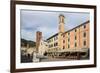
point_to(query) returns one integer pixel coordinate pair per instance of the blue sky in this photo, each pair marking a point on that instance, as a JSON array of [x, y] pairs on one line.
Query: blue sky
[[47, 22]]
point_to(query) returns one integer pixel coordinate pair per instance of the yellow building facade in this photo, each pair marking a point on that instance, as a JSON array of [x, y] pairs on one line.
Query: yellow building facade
[[75, 38]]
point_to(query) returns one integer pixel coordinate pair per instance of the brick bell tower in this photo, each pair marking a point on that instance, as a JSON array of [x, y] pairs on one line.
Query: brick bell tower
[[61, 30], [38, 39]]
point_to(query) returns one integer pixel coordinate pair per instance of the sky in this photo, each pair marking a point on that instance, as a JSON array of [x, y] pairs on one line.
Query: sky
[[47, 22]]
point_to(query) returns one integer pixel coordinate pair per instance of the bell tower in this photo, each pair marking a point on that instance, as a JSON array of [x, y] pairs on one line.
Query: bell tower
[[38, 39], [61, 31], [61, 23]]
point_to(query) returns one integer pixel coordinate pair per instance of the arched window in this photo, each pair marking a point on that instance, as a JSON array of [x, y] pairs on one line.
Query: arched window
[[84, 43], [75, 44], [84, 34]]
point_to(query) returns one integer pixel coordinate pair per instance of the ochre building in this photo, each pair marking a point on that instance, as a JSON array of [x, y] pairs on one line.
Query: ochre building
[[73, 39]]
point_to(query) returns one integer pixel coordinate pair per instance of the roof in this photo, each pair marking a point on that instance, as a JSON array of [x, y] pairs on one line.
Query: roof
[[78, 26], [52, 36]]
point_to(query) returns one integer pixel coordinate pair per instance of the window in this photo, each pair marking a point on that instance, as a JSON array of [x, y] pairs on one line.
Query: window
[[84, 26], [56, 44], [84, 34], [63, 41], [75, 44], [68, 33], [68, 39], [62, 20], [68, 46], [52, 45], [75, 37], [63, 35], [75, 30], [84, 43], [55, 38], [63, 47]]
